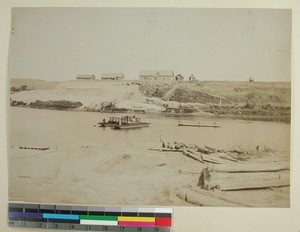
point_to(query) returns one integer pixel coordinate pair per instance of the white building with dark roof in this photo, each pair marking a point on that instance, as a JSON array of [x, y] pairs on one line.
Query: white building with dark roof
[[192, 78], [86, 77], [156, 75], [112, 76]]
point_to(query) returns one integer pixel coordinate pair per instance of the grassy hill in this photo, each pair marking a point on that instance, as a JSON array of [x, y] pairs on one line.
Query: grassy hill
[[259, 100]]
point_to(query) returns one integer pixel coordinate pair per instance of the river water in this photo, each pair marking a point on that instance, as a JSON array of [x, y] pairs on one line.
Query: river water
[[61, 129]]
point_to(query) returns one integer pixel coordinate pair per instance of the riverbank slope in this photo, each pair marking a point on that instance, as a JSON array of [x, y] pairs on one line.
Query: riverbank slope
[[269, 101]]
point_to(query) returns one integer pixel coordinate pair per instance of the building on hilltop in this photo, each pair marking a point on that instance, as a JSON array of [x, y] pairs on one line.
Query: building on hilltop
[[179, 77], [251, 79], [156, 75], [112, 76], [86, 77], [192, 78]]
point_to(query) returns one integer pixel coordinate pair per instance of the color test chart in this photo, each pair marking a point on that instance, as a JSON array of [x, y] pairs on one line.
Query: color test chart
[[89, 218]]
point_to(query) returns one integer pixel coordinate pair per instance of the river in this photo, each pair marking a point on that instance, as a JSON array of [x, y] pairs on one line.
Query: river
[[61, 129]]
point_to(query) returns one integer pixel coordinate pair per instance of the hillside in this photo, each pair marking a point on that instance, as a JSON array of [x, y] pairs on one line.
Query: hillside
[[33, 84], [276, 93], [259, 100], [86, 95]]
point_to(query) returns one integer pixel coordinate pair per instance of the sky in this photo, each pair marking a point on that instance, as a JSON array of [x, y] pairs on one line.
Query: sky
[[57, 44]]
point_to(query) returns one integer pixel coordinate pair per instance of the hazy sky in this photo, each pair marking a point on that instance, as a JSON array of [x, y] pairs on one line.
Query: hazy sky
[[213, 44]]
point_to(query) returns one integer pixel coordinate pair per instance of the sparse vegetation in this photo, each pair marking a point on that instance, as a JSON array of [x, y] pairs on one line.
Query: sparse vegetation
[[57, 105], [259, 100], [20, 89]]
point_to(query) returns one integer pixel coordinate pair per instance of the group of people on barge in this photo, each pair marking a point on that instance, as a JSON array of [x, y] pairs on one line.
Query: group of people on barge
[[122, 120]]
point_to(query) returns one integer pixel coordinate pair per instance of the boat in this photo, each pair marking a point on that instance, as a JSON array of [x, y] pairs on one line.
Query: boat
[[133, 125], [106, 124], [198, 125], [123, 122]]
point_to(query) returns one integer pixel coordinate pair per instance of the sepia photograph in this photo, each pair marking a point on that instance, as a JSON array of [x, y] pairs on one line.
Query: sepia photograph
[[150, 106]]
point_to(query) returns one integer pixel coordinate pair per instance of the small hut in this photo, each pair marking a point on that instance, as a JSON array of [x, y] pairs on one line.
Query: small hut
[[192, 78], [179, 77], [251, 79]]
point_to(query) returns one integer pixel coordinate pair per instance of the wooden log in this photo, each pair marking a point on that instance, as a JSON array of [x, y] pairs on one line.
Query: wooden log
[[219, 195], [227, 157], [255, 184], [243, 158], [203, 200], [209, 159], [211, 149], [191, 146], [238, 157], [203, 150], [224, 156], [165, 149], [237, 151], [234, 156], [194, 157], [188, 146], [252, 168], [194, 152]]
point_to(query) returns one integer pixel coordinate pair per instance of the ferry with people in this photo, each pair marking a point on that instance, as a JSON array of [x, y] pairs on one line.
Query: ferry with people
[[131, 125]]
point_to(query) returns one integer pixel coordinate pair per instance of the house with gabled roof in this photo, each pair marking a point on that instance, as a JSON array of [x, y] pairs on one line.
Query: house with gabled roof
[[156, 75], [179, 77], [86, 77], [112, 76]]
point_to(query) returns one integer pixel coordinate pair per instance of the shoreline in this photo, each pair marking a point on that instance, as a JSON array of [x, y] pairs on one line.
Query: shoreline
[[102, 163], [263, 118]]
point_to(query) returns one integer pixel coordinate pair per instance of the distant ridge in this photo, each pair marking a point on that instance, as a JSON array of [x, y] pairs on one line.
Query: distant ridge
[[36, 84]]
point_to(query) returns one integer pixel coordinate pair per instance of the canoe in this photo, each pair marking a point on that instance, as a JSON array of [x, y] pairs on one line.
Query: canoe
[[131, 126], [197, 125]]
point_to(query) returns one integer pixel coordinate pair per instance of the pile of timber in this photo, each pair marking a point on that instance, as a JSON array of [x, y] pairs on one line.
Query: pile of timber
[[224, 172], [204, 154], [249, 177], [199, 195], [204, 199]]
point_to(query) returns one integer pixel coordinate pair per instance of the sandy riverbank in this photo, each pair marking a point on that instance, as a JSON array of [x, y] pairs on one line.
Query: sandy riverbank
[[101, 174]]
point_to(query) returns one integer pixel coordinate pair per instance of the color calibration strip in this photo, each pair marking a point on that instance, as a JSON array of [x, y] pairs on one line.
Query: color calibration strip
[[89, 218]]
